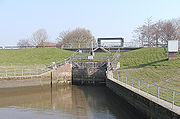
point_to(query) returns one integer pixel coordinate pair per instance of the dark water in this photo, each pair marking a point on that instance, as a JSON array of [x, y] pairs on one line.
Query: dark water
[[64, 102]]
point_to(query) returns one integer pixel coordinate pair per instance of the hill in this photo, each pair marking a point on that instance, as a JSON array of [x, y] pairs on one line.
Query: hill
[[32, 56]]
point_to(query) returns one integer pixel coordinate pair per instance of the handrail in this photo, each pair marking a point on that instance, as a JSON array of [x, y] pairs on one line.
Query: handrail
[[164, 93]]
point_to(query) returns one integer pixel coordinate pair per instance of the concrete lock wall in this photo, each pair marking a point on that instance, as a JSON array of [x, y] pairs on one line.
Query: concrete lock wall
[[88, 72], [63, 74], [149, 108]]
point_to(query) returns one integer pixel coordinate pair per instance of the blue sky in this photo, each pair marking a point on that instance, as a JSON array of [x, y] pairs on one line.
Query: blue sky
[[104, 18]]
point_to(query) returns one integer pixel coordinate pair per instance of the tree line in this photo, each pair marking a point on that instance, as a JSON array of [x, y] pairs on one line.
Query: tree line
[[154, 34], [78, 35], [150, 34]]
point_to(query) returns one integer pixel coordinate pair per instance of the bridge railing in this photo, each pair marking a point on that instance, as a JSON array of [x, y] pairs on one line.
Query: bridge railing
[[167, 94], [95, 58], [78, 45], [104, 44]]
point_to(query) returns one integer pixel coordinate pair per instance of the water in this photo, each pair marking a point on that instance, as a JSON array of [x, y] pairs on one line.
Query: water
[[64, 102]]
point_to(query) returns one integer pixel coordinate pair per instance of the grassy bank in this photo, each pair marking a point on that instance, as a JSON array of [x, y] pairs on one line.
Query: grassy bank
[[152, 65], [39, 56]]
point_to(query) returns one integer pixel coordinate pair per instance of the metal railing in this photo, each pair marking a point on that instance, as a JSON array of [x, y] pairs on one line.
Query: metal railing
[[160, 92], [95, 58], [21, 72], [78, 45], [69, 59]]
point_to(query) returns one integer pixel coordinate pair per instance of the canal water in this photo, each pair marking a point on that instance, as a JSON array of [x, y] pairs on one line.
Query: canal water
[[64, 102]]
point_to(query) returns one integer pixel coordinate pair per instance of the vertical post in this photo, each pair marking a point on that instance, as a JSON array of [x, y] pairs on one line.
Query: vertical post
[[14, 72], [173, 99], [92, 45], [139, 85], [132, 82], [118, 76], [147, 89], [126, 79], [22, 72], [6, 73], [51, 80], [158, 91], [121, 77]]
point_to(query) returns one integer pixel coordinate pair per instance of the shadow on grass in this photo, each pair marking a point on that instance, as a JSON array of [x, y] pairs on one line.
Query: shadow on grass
[[144, 65]]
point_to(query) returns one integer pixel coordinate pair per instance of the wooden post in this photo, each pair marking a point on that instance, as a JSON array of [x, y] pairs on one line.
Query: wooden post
[[51, 80]]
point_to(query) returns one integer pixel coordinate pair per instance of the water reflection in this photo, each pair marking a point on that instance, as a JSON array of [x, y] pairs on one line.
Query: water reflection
[[66, 102]]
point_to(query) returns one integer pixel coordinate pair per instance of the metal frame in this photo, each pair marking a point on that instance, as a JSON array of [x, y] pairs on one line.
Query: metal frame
[[119, 39]]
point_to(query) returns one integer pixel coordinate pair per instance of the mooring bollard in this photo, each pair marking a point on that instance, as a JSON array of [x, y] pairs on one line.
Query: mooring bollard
[[51, 80]]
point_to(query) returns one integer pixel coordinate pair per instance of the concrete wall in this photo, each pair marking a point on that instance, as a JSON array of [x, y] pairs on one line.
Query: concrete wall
[[88, 72], [144, 104], [63, 74]]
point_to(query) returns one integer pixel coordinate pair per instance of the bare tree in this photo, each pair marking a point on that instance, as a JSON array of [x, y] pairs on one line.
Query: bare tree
[[39, 37], [77, 36], [61, 37], [153, 34], [24, 43]]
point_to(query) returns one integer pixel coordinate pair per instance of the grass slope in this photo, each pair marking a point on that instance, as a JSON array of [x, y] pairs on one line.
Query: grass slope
[[32, 56], [152, 65]]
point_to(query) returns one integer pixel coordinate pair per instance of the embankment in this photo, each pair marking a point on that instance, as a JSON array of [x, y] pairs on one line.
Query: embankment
[[151, 106]]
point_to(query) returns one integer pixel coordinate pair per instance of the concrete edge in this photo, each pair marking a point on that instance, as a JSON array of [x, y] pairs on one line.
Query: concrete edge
[[163, 103]]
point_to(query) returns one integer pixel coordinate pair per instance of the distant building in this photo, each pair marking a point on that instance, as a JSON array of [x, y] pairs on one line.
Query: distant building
[[49, 45]]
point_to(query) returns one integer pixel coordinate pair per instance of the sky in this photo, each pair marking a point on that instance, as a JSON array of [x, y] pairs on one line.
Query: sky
[[104, 18]]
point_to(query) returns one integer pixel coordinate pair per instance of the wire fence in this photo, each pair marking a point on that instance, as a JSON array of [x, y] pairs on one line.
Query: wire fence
[[160, 92]]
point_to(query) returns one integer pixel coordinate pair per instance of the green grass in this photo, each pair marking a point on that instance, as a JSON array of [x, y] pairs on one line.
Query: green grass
[[32, 56], [152, 65]]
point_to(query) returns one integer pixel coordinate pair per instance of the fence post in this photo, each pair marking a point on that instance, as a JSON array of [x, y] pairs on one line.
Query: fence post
[[51, 80], [126, 79], [121, 77], [14, 72], [158, 91], [173, 99], [147, 89], [22, 72], [132, 82], [118, 76], [139, 84], [6, 73]]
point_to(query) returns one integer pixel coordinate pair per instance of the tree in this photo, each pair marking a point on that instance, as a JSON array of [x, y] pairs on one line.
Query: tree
[[61, 37], [76, 37], [24, 43], [144, 33], [39, 37], [154, 34]]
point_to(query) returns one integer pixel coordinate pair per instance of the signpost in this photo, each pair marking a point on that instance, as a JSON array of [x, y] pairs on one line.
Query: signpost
[[172, 49]]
